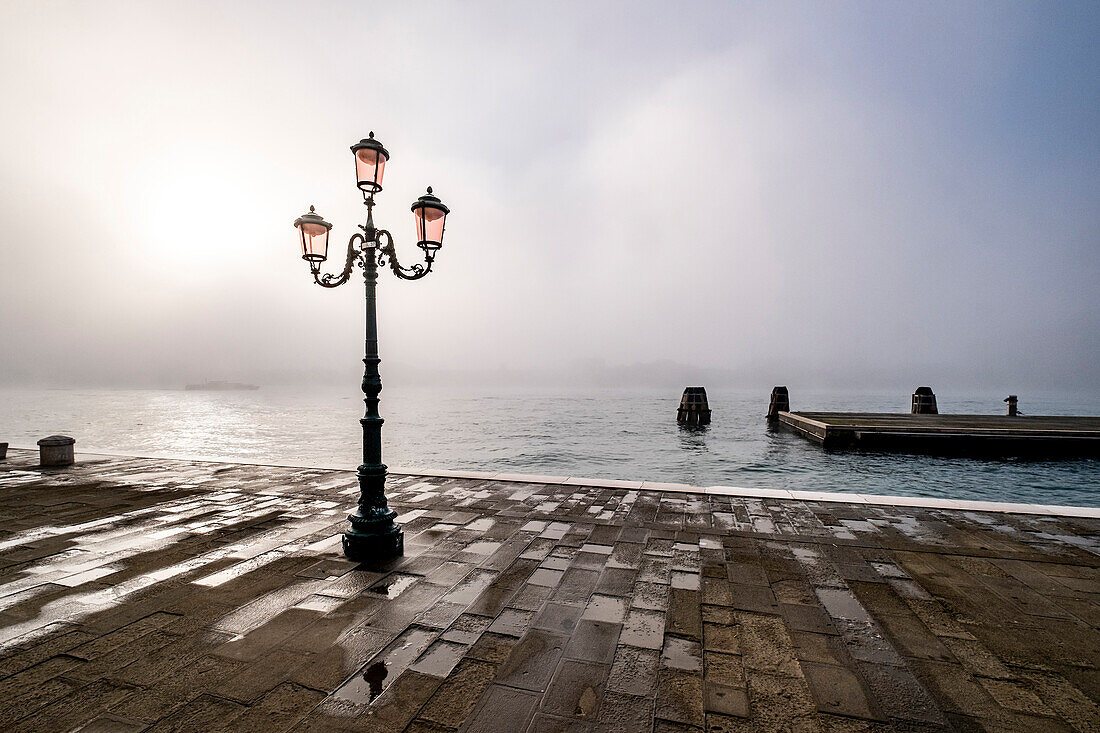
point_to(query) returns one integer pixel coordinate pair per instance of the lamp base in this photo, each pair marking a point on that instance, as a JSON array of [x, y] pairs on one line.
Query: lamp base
[[374, 547]]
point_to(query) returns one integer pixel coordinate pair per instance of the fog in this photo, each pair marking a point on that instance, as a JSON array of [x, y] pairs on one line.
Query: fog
[[836, 194]]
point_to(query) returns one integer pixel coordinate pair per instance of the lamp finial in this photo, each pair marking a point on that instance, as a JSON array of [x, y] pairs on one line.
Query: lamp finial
[[429, 189]]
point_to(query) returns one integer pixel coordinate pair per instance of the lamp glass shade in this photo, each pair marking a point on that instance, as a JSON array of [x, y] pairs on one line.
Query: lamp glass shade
[[430, 215], [429, 225], [314, 238], [370, 165]]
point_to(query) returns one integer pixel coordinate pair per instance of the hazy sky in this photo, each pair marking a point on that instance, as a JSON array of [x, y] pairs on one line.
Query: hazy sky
[[828, 193]]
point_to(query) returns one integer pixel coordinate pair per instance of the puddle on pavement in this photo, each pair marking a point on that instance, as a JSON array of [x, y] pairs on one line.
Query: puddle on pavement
[[482, 548], [393, 585], [440, 659], [842, 604], [374, 676], [681, 654], [364, 688], [469, 589]]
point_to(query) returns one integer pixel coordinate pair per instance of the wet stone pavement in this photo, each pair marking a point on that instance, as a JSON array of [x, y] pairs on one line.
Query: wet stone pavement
[[164, 595]]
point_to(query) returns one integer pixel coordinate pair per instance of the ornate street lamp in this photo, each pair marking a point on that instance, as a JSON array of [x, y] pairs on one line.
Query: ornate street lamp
[[374, 535]]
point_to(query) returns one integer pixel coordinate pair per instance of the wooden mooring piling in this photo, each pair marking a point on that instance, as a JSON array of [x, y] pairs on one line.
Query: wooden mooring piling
[[693, 409]]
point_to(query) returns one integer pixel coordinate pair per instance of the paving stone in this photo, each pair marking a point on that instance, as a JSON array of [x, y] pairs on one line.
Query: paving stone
[[440, 615], [794, 592], [576, 586], [721, 638], [1013, 695], [327, 669], [757, 598], [1066, 700], [900, 695], [684, 617], [467, 628], [723, 669], [838, 691], [779, 702], [396, 706], [111, 723], [866, 643], [683, 654], [455, 698], [558, 617], [812, 619], [643, 629], [820, 649], [512, 622], [721, 615], [622, 713], [426, 726], [73, 710], [605, 608], [955, 690], [680, 697], [263, 675], [532, 662], [651, 596], [669, 726], [439, 659], [594, 641], [617, 582], [725, 700], [634, 671], [912, 639], [166, 693], [25, 700], [842, 604], [546, 723], [655, 570], [205, 712], [577, 690], [716, 592], [546, 577], [279, 709], [493, 648], [180, 652], [63, 640], [766, 647], [502, 710], [977, 659], [746, 574]]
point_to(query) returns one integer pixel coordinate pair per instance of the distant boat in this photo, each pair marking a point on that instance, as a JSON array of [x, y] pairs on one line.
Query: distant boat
[[219, 385]]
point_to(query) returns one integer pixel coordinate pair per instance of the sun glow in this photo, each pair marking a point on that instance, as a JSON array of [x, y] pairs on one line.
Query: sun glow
[[200, 209]]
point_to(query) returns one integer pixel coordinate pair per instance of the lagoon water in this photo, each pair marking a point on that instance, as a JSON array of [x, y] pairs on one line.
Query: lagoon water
[[623, 434]]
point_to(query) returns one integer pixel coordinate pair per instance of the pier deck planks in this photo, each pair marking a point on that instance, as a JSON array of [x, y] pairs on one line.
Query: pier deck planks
[[963, 433], [142, 594]]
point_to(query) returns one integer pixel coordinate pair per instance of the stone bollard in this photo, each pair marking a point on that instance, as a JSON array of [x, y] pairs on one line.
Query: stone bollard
[[3, 451], [56, 450], [924, 402], [780, 402], [1013, 407], [694, 409]]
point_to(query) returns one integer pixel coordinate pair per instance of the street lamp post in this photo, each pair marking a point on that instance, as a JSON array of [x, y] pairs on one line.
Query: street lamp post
[[373, 535]]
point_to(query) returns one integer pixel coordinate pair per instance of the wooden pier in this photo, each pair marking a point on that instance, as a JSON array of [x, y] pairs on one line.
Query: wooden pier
[[967, 434]]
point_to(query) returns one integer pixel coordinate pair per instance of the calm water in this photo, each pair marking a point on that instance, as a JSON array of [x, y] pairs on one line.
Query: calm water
[[607, 434]]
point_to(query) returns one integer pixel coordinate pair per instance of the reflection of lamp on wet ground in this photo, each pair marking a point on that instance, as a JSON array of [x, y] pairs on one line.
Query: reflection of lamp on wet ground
[[373, 534]]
